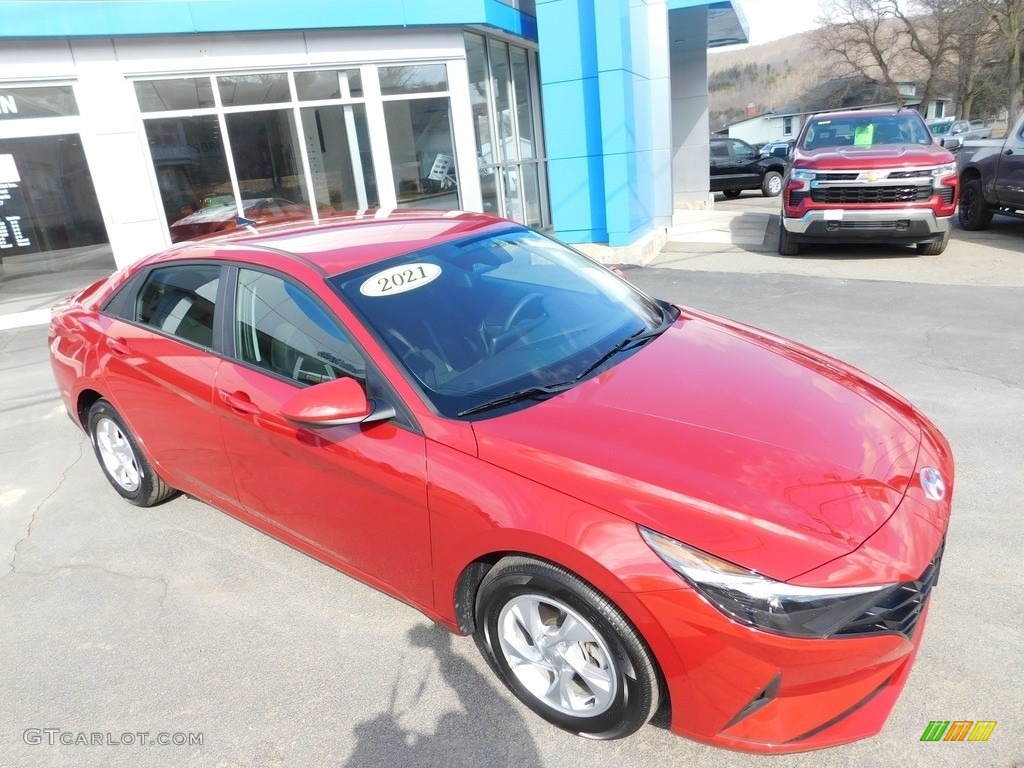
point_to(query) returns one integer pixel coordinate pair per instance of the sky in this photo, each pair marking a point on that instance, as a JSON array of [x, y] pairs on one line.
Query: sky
[[772, 19]]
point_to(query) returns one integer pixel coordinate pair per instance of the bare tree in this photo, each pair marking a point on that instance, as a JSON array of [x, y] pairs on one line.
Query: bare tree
[[1008, 18]]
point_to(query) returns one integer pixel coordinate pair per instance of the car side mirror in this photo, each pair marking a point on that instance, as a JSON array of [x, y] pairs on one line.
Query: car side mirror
[[952, 143], [333, 403]]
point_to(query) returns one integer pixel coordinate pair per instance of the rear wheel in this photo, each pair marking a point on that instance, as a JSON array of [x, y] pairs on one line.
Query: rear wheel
[[771, 186], [935, 247], [788, 245], [974, 212], [122, 462], [732, 193], [564, 650]]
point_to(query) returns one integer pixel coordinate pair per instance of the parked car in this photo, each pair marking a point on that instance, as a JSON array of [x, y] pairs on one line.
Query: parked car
[[990, 178], [780, 148], [943, 128], [868, 176], [736, 166], [222, 215], [627, 503]]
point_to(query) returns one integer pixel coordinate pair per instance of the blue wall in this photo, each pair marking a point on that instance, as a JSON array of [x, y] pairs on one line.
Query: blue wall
[[600, 99], [92, 18]]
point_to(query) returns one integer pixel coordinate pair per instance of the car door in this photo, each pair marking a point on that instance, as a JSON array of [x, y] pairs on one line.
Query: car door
[[1010, 171], [160, 372], [746, 163], [355, 491], [721, 167]]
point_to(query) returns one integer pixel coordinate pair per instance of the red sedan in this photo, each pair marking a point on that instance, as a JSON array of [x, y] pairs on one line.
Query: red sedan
[[629, 504]]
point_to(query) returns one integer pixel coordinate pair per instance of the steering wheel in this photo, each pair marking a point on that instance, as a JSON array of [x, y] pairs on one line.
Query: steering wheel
[[517, 310]]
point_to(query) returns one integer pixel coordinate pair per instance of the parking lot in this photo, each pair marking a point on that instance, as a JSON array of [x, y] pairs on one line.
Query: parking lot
[[180, 622]]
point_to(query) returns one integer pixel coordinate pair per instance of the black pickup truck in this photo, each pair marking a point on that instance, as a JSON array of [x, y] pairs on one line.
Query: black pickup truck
[[991, 173]]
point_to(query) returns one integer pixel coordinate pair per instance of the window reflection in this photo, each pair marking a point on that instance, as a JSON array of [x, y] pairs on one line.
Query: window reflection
[[338, 145], [422, 154], [190, 163]]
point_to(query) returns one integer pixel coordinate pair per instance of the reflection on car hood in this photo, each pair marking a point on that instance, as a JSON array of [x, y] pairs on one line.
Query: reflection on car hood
[[883, 156], [738, 443]]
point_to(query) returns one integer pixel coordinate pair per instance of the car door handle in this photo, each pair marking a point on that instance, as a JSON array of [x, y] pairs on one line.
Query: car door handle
[[119, 347], [1008, 152], [239, 401]]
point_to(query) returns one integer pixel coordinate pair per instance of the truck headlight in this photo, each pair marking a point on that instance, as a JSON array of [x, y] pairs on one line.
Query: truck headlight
[[944, 170], [750, 598], [802, 174]]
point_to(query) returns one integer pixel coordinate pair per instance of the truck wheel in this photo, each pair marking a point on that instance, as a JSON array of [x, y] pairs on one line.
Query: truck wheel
[[788, 245], [771, 186], [731, 193], [934, 248], [974, 211]]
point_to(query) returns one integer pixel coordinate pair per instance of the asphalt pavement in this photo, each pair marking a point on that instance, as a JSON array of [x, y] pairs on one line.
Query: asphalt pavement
[[129, 626]]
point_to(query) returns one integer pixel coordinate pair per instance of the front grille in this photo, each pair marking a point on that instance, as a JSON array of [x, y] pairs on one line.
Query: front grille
[[887, 194], [836, 176], [899, 608], [872, 224], [916, 174]]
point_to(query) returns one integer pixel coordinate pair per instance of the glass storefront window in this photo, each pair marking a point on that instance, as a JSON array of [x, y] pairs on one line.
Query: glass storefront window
[[328, 84], [338, 146], [52, 236], [524, 102], [171, 95], [190, 163], [422, 154], [479, 81], [250, 90], [502, 85], [44, 101], [418, 78], [265, 149]]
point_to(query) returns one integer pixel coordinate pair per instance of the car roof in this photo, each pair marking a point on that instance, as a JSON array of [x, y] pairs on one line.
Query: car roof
[[346, 241]]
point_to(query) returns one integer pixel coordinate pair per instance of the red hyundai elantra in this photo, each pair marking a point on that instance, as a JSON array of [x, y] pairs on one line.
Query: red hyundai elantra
[[629, 504]]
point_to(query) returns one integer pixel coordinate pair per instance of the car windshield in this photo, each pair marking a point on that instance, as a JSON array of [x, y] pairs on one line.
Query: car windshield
[[476, 320], [865, 131], [938, 129]]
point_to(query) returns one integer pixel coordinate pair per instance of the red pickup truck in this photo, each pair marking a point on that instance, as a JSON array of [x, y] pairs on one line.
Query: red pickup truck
[[868, 175]]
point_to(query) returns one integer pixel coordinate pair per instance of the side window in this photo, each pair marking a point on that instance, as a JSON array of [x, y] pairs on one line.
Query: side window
[[179, 300], [742, 151], [719, 151], [279, 327]]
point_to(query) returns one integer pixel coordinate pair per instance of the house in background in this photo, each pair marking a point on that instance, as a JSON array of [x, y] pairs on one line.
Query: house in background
[[837, 94]]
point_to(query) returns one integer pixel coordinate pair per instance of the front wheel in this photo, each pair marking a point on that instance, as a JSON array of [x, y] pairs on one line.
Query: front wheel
[[122, 461], [934, 248], [974, 212], [771, 186], [564, 650], [732, 193], [788, 245]]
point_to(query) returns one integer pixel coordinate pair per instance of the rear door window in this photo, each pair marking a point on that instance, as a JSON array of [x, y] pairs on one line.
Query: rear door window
[[180, 301]]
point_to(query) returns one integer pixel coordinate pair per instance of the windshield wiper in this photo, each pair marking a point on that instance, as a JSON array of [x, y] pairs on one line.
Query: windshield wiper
[[549, 390], [530, 393]]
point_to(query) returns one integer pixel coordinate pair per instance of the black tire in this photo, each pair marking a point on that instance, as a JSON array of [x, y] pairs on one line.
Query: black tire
[[935, 247], [973, 212], [788, 244], [121, 459], [771, 184], [603, 646], [732, 193]]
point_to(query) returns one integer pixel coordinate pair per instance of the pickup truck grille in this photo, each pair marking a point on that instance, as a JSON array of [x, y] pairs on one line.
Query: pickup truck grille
[[866, 194]]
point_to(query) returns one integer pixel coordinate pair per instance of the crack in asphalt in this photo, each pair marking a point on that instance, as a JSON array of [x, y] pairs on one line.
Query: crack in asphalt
[[161, 580], [12, 567], [935, 360]]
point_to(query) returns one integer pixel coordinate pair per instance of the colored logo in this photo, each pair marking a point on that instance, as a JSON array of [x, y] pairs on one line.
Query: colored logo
[[932, 484], [958, 730]]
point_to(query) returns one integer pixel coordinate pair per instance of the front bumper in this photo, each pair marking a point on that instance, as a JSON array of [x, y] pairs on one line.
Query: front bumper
[[912, 225]]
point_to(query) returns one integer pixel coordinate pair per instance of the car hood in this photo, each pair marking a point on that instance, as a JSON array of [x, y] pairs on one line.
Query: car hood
[[739, 443], [884, 156]]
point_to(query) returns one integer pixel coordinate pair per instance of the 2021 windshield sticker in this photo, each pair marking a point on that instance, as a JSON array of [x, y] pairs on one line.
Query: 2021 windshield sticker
[[406, 277]]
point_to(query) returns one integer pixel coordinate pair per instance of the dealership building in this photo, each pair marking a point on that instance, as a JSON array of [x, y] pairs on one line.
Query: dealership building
[[119, 120]]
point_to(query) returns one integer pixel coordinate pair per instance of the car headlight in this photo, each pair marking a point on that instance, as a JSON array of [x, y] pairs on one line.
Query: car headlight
[[761, 602], [944, 170], [802, 174]]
